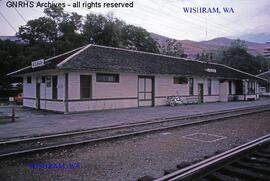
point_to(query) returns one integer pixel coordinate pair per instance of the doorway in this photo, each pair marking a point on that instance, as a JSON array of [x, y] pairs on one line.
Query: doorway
[[200, 93], [145, 91]]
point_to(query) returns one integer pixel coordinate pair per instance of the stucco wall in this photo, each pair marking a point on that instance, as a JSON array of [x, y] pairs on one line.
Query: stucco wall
[[52, 105], [164, 86], [29, 103], [101, 105], [105, 95], [108, 95], [46, 102], [29, 89], [126, 88]]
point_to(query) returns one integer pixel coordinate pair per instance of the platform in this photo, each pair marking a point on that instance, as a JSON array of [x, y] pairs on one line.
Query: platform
[[34, 123]]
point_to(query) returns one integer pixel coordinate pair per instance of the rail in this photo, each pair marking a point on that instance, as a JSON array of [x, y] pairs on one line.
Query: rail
[[204, 169]]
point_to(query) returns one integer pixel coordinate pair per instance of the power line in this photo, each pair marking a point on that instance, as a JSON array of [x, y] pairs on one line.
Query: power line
[[20, 15], [194, 23], [215, 26], [8, 22]]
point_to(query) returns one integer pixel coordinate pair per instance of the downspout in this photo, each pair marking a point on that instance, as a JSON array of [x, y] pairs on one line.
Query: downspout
[[244, 87], [66, 94]]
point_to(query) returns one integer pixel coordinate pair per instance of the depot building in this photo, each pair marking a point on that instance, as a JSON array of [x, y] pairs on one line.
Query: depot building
[[265, 86], [97, 77]]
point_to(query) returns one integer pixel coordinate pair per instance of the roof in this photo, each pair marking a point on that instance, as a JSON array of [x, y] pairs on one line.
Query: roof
[[109, 59], [265, 75], [50, 63]]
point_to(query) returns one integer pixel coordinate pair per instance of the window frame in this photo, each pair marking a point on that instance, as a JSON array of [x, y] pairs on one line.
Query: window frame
[[177, 80], [230, 87], [89, 88], [98, 78], [29, 79], [43, 79], [209, 87], [191, 86], [54, 87]]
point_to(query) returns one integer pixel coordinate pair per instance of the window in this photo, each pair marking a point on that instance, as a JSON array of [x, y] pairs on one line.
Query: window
[[221, 81], [180, 80], [85, 86], [230, 87], [54, 87], [107, 77], [29, 80], [209, 83], [43, 79], [48, 81], [191, 82]]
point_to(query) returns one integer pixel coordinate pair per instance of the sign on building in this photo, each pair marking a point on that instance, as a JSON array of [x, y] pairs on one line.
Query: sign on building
[[211, 70], [38, 63]]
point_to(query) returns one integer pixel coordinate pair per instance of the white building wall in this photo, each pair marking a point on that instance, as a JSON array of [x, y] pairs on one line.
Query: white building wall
[[214, 97], [46, 102], [126, 88], [78, 106], [124, 94], [74, 85], [29, 92], [215, 86], [164, 86], [105, 95], [29, 103], [52, 105]]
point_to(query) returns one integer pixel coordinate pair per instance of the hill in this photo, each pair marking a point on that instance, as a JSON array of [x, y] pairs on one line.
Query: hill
[[191, 48]]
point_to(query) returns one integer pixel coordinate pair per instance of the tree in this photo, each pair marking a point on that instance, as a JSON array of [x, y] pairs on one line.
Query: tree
[[38, 31], [59, 31], [138, 38], [111, 31], [173, 47], [11, 58], [237, 56]]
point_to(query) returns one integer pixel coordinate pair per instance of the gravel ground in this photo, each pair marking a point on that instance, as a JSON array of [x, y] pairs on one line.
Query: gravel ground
[[131, 158]]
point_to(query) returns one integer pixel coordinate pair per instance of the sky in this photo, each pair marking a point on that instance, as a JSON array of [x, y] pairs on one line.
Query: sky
[[250, 20]]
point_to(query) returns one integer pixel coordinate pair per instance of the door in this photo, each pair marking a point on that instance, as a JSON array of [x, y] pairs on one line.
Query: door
[[200, 93], [38, 95], [54, 86], [145, 91], [223, 91]]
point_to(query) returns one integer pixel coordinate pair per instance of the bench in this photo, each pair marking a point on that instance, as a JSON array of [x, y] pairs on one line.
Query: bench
[[191, 100]]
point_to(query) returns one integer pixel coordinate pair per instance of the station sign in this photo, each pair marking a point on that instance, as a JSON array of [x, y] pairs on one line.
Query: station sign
[[38, 63], [211, 70]]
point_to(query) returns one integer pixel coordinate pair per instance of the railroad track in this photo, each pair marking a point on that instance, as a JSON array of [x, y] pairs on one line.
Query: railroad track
[[49, 142], [250, 161]]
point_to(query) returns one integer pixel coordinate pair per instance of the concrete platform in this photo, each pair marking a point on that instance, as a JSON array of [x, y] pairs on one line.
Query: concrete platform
[[34, 123]]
